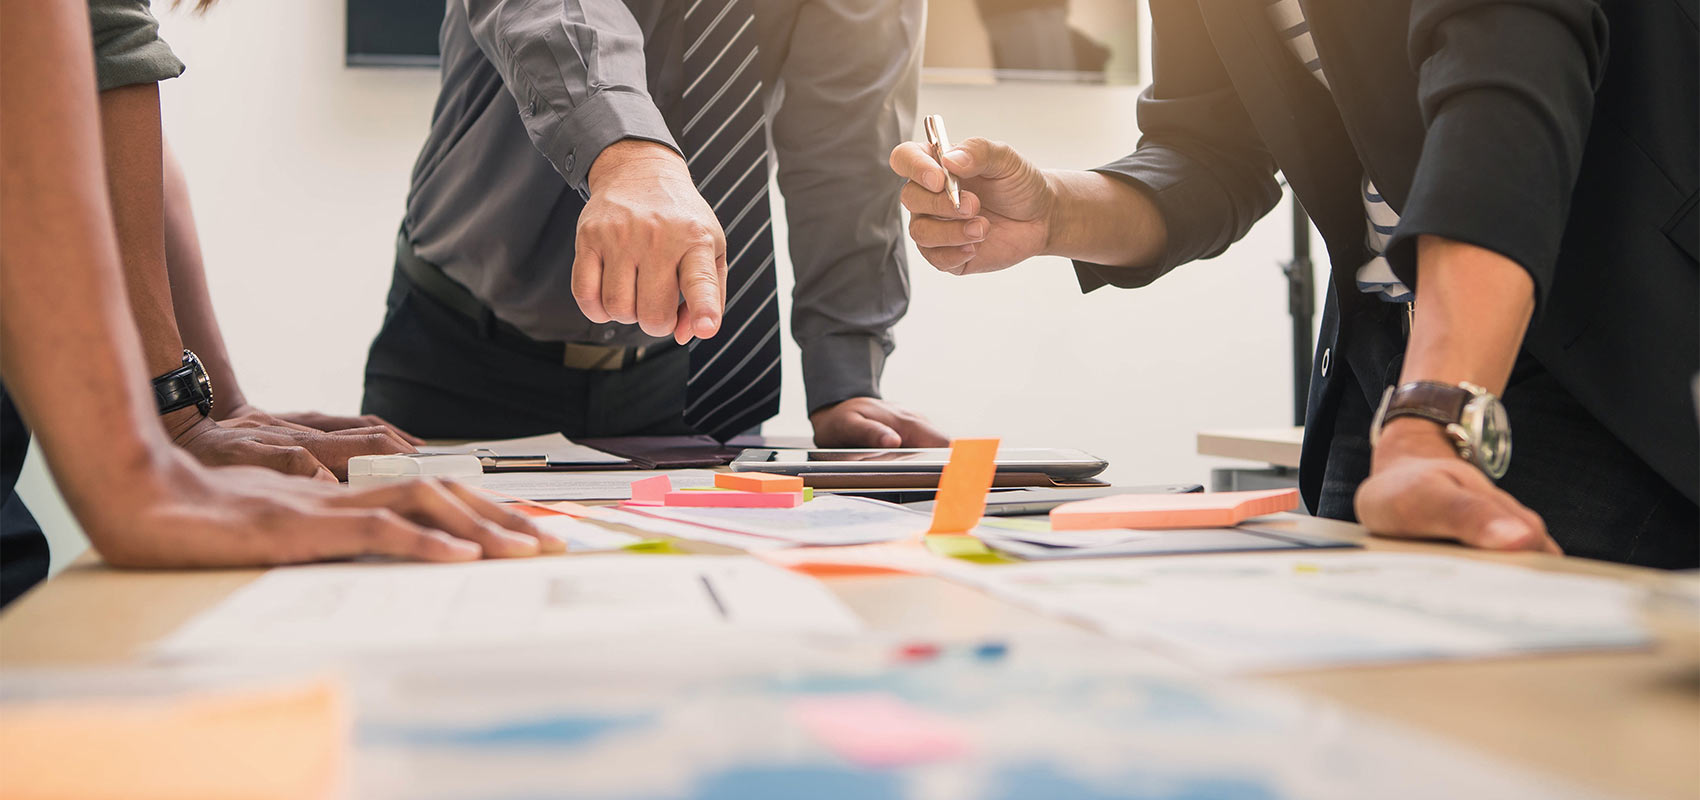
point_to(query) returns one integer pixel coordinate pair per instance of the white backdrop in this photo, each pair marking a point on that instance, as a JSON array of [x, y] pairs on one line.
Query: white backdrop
[[298, 168]]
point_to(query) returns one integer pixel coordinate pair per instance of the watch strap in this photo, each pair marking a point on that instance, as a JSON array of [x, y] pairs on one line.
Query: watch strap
[[1440, 402], [183, 387]]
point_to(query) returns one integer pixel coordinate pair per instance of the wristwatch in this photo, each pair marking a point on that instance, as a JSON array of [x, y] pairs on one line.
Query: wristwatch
[[185, 386], [1473, 418]]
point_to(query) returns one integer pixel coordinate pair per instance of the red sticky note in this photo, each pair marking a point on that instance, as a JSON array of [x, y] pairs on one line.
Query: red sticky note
[[967, 478], [879, 729], [758, 482], [651, 491], [1207, 510], [733, 499]]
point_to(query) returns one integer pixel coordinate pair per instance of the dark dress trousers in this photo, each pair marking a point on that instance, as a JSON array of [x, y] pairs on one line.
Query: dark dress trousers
[[1559, 133]]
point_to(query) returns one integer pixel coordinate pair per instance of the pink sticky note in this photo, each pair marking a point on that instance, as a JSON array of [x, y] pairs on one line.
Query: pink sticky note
[[1199, 510], [731, 499], [878, 729], [651, 491]]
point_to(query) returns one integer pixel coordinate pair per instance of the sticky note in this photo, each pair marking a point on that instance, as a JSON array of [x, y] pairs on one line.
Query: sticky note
[[1206, 510], [758, 482], [276, 743], [967, 478], [733, 499], [651, 491], [963, 546], [879, 729]]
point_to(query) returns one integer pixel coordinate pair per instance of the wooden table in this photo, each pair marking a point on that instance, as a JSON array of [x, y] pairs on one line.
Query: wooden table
[[1627, 724]]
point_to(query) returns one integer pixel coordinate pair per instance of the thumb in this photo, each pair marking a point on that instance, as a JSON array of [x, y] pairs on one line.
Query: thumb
[[978, 157], [699, 284]]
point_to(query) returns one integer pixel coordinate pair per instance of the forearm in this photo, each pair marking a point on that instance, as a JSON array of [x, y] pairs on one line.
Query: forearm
[[196, 322], [69, 348], [1473, 306], [130, 138], [1102, 220]]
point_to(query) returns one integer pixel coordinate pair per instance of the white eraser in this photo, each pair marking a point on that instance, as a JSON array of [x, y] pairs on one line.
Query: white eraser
[[368, 470]]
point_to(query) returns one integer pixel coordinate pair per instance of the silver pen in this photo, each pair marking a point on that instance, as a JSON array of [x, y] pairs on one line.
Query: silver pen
[[940, 142]]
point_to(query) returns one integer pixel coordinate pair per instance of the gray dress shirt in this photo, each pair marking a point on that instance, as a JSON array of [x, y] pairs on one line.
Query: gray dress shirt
[[533, 90]]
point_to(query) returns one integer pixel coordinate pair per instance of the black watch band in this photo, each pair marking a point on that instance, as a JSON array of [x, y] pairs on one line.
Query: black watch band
[[183, 387]]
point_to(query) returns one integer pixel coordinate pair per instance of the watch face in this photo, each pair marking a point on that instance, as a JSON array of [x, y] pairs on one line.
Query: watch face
[[203, 382], [1486, 419]]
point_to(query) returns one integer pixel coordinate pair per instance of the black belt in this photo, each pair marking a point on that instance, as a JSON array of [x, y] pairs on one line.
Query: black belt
[[432, 282]]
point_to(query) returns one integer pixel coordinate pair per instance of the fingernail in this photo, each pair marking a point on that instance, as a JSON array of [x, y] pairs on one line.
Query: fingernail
[[957, 158], [705, 326], [977, 229], [1503, 532], [934, 182]]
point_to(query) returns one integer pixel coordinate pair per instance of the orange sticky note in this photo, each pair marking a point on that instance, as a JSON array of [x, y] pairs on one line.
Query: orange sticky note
[[273, 744], [651, 491], [1206, 510], [758, 482], [967, 478]]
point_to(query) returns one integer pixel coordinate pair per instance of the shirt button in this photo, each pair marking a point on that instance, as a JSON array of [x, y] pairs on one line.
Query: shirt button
[[1327, 358], [569, 164], [607, 334]]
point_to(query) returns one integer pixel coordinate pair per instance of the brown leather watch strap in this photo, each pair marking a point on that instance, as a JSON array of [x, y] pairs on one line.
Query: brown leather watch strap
[[1441, 402]]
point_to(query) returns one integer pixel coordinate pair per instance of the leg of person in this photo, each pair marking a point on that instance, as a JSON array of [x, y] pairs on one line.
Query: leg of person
[[1599, 499]]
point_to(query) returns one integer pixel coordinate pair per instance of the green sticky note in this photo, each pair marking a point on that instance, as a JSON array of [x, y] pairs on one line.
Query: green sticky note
[[1018, 524], [808, 493], [658, 546], [966, 548]]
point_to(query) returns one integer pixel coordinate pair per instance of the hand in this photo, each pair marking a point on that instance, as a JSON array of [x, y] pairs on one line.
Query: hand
[[331, 423], [645, 239], [1007, 203], [872, 422], [1419, 488], [259, 440], [245, 516]]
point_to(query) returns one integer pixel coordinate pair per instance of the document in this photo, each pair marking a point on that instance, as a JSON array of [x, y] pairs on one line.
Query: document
[[825, 520], [547, 487], [389, 607], [584, 537], [1287, 611], [553, 448], [1035, 540]]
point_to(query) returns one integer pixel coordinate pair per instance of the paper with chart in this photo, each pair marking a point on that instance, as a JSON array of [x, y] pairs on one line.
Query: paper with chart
[[341, 607], [1281, 611], [548, 487], [825, 520]]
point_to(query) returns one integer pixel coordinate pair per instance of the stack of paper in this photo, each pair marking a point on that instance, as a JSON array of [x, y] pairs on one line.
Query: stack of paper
[[1279, 611], [826, 520], [302, 610]]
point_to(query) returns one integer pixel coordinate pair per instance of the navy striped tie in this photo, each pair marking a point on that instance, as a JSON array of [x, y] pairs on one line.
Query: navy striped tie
[[734, 377]]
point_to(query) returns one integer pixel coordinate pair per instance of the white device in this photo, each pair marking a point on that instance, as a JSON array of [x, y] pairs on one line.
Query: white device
[[374, 470]]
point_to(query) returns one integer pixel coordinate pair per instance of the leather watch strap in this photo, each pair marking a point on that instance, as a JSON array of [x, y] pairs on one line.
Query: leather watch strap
[[1441, 402]]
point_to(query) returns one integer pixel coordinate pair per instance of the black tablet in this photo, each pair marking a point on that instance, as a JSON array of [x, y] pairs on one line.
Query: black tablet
[[1062, 465]]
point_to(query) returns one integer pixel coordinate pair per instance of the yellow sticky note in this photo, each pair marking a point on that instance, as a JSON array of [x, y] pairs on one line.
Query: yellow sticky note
[[963, 546], [967, 478], [277, 743]]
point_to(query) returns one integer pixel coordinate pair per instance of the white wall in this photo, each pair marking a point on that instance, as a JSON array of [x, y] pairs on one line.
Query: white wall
[[298, 168]]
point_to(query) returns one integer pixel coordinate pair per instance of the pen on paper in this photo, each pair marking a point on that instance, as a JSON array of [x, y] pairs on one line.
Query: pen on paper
[[940, 142]]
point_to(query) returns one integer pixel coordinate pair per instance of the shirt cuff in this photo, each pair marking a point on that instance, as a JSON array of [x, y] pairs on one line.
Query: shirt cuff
[[127, 47], [607, 117], [839, 367]]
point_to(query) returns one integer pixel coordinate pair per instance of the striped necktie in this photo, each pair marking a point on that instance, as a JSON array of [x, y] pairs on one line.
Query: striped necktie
[[734, 377]]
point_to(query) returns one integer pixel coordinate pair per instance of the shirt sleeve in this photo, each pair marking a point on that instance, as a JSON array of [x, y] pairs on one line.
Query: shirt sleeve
[[576, 69], [847, 73], [1199, 158], [127, 47], [1506, 91]]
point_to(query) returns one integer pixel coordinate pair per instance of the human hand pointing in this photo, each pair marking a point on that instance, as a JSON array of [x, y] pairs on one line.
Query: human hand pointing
[[647, 238]]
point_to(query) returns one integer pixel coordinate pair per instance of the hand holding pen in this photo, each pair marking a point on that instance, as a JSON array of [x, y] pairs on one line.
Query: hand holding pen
[[974, 207]]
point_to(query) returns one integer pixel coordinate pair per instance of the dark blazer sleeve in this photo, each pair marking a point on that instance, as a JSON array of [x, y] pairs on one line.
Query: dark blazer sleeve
[[1199, 158], [1506, 89]]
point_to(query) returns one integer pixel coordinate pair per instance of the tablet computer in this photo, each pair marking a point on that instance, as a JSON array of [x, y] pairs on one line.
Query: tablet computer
[[1065, 465]]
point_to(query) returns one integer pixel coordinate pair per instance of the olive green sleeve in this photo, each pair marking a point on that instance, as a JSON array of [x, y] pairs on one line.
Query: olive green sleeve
[[127, 47]]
